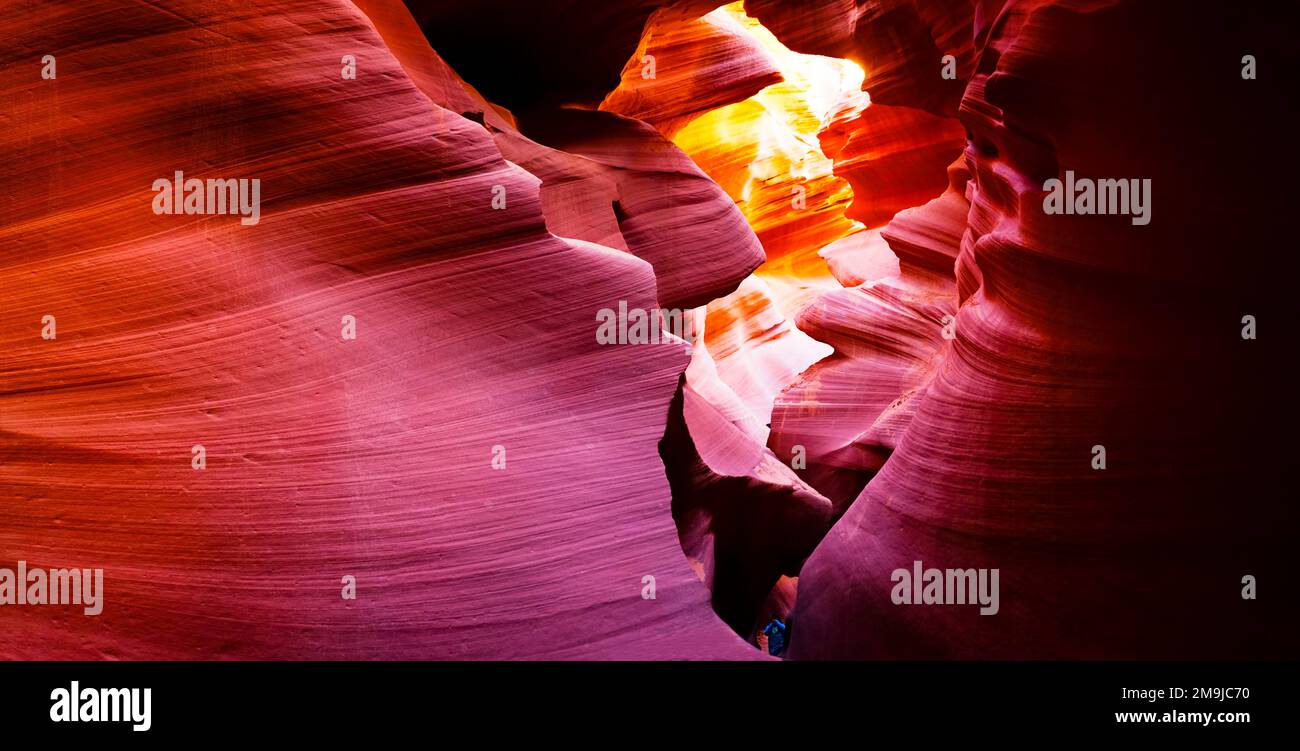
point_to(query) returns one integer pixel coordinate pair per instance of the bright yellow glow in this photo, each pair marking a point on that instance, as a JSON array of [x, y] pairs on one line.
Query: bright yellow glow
[[764, 151]]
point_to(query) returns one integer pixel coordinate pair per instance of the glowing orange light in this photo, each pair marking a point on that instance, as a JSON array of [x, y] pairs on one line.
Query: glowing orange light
[[764, 152]]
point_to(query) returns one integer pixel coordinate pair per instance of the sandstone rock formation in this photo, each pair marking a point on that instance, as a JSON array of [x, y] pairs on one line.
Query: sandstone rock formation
[[903, 357]]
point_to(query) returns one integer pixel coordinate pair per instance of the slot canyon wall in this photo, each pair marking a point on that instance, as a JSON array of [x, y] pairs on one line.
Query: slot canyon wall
[[898, 357]]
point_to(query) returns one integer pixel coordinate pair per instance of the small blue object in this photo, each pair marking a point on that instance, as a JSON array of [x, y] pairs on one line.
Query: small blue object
[[776, 632]]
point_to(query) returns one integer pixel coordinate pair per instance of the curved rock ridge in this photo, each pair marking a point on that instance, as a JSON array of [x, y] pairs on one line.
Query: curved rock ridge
[[638, 185], [928, 238], [745, 518], [755, 351], [606, 179], [685, 67], [848, 411], [325, 457]]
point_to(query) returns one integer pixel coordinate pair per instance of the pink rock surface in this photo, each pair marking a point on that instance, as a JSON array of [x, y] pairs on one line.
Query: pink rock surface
[[631, 179], [849, 410], [325, 458], [745, 517]]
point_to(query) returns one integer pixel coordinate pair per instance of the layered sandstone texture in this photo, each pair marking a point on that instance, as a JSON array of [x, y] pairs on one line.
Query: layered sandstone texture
[[329, 457]]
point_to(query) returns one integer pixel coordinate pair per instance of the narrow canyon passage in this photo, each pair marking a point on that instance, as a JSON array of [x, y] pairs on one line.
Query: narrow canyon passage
[[755, 486], [620, 329]]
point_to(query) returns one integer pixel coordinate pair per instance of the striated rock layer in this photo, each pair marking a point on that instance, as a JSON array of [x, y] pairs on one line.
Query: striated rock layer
[[325, 457]]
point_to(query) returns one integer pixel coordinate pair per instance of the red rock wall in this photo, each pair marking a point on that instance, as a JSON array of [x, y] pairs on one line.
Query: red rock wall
[[1078, 331]]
